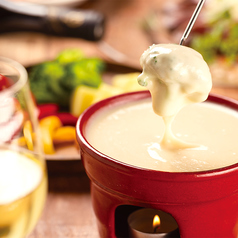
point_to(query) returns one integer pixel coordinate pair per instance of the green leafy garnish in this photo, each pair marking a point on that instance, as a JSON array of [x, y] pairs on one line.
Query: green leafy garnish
[[220, 39]]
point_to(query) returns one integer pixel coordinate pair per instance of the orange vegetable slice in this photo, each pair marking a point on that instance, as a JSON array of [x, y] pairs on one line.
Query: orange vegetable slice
[[65, 134], [28, 135], [47, 126]]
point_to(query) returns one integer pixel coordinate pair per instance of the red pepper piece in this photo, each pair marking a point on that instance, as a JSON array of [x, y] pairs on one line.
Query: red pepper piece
[[47, 110], [51, 109], [5, 82], [67, 118]]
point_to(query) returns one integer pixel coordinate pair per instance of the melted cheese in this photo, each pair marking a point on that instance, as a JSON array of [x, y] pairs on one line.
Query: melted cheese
[[176, 77]]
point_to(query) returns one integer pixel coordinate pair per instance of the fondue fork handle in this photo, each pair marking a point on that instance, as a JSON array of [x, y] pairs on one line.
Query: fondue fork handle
[[192, 21]]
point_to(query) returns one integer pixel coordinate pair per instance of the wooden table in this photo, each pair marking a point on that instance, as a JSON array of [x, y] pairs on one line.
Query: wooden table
[[68, 211]]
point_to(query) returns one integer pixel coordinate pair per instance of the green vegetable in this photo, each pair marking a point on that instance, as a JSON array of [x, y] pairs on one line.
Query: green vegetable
[[40, 82], [208, 44], [220, 39], [69, 56], [54, 81], [84, 72]]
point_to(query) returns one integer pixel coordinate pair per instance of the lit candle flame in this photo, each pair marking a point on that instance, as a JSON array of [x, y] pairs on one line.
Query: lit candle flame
[[156, 222]]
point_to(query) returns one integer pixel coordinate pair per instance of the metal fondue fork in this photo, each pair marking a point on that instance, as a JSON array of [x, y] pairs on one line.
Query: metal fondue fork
[[192, 21]]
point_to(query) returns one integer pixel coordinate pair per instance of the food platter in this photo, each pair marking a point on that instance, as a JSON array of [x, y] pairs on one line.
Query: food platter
[[69, 151]]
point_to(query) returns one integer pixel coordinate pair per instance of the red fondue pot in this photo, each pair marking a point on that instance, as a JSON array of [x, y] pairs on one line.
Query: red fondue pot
[[204, 204]]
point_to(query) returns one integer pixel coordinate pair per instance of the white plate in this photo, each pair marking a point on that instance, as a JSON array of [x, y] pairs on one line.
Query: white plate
[[69, 152]]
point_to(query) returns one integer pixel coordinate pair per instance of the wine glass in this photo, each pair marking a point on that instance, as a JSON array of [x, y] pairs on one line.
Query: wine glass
[[23, 178]]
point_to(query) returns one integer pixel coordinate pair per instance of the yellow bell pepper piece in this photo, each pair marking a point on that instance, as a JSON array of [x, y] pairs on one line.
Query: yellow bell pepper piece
[[47, 141], [28, 135], [47, 126], [50, 122], [21, 141], [65, 134]]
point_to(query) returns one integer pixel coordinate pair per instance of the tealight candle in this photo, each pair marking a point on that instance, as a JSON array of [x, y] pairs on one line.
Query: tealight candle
[[149, 223]]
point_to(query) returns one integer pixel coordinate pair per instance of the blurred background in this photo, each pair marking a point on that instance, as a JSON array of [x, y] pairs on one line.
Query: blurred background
[[80, 51], [125, 29]]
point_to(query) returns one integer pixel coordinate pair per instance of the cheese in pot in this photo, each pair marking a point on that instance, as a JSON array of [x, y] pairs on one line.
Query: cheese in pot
[[132, 133]]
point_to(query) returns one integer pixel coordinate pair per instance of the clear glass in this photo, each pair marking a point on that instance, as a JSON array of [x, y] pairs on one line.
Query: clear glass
[[23, 177]]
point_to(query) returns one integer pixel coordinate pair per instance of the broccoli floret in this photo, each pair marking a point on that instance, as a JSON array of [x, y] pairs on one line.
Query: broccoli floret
[[84, 72], [69, 56], [54, 81], [44, 83]]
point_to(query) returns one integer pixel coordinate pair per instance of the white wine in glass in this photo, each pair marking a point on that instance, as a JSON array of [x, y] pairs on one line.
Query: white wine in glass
[[23, 177]]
